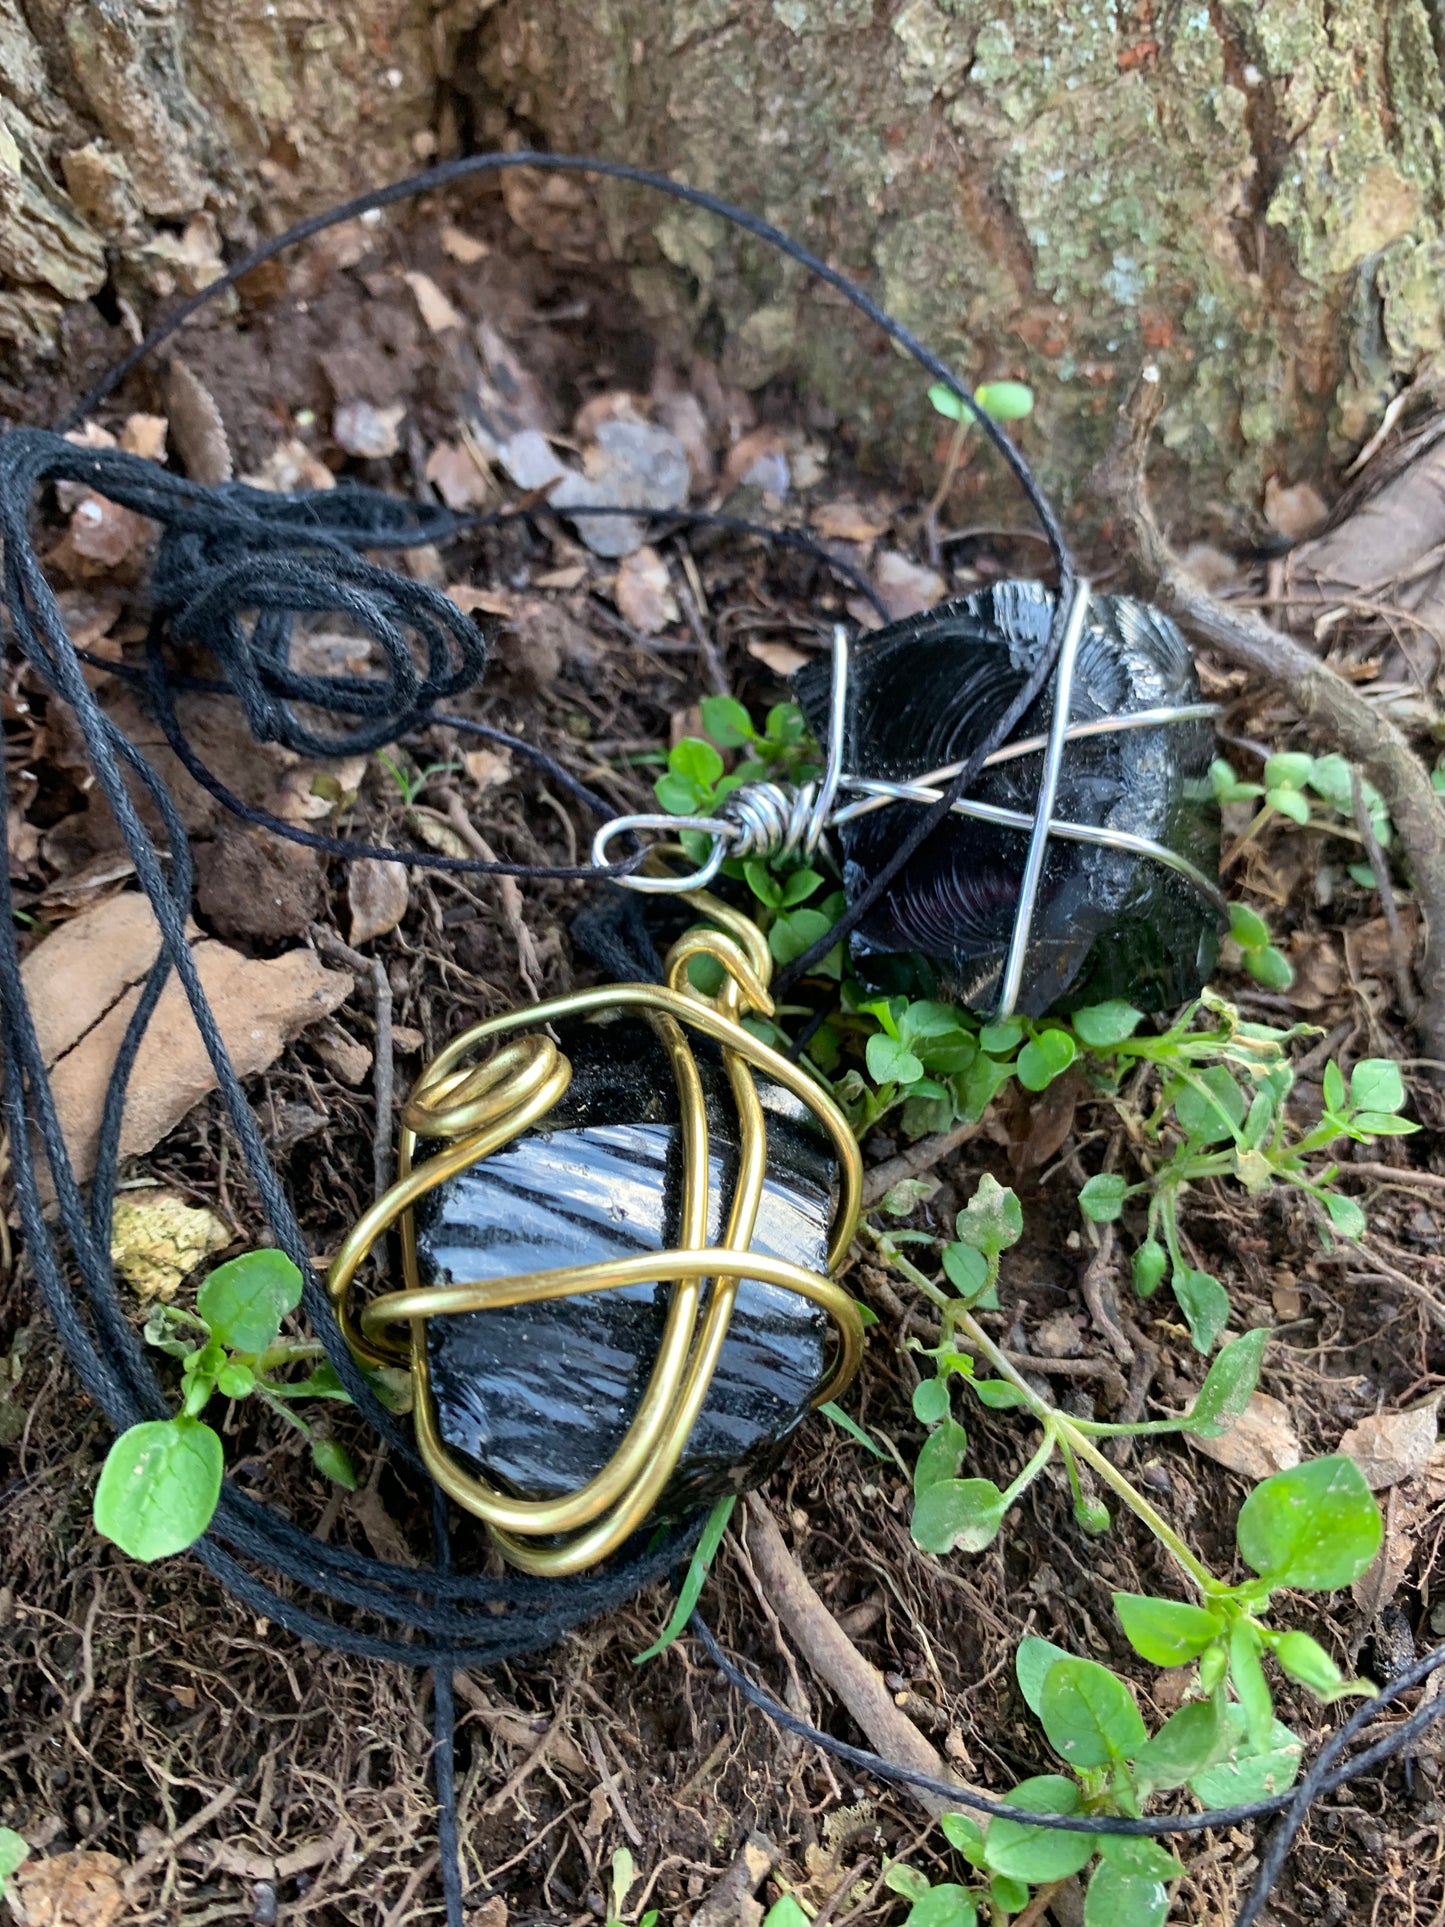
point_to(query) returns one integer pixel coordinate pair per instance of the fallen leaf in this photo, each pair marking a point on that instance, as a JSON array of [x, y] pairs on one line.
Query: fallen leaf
[[1319, 971], [251, 883], [488, 768], [145, 435], [83, 983], [571, 577], [197, 426], [378, 892], [436, 310], [1262, 1442], [491, 1913], [307, 792], [71, 1890], [91, 435], [368, 431], [845, 522], [682, 414], [454, 472], [781, 657], [158, 1238], [1392, 1445], [89, 615], [906, 587], [644, 592], [462, 246], [405, 1039], [342, 1053]]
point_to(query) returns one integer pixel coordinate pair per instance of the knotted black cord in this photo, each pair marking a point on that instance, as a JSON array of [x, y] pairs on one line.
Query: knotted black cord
[[224, 550]]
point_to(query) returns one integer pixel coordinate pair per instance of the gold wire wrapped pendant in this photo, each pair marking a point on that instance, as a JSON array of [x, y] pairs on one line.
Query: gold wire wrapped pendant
[[567, 1403]]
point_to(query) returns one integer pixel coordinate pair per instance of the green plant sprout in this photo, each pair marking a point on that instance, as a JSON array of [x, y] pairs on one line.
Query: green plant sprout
[[1314, 1528], [1002, 401], [411, 782], [14, 1852], [620, 1885], [1291, 780], [161, 1481]]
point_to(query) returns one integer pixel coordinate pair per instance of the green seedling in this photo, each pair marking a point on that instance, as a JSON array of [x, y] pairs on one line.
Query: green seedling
[[411, 782], [623, 1879], [161, 1481], [1315, 792]]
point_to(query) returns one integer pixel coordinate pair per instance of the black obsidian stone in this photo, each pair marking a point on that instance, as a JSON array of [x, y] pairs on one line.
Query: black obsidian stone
[[926, 691], [537, 1397]]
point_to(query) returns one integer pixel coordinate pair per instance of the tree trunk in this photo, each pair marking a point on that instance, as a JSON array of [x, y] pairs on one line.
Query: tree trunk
[[1251, 194]]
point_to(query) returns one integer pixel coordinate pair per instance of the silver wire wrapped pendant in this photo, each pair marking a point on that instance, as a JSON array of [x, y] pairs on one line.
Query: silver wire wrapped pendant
[[1110, 918]]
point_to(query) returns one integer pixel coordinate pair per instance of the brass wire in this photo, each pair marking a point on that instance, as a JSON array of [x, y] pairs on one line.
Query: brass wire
[[478, 1107]]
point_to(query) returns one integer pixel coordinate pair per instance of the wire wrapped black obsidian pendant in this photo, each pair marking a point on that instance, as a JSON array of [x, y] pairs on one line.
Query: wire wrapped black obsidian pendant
[[1109, 920], [616, 1249]]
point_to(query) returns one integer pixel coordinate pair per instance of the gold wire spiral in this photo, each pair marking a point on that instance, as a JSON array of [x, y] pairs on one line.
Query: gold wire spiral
[[476, 1108]]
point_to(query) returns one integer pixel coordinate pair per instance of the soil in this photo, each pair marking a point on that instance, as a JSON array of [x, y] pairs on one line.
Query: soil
[[147, 1716]]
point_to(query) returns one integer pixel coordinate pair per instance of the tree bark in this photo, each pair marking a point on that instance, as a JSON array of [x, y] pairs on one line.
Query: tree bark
[[1251, 193]]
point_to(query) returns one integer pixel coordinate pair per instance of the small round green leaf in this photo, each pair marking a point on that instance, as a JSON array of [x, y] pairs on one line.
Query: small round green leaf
[[964, 1835], [1092, 1515], [1290, 769], [1345, 1216], [1008, 1894], [1376, 1085], [946, 1905], [930, 1400], [244, 1302], [1031, 1664], [1089, 1714], [159, 1486], [1307, 1661], [1149, 1264], [1210, 1106], [890, 1062], [798, 930], [965, 1268], [680, 795], [940, 1455], [958, 1515], [14, 1851], [1249, 1773], [1269, 967], [1184, 1745], [1205, 1304], [1102, 1198], [1228, 1385], [726, 721], [1103, 1025], [993, 1218], [333, 1461], [1166, 1632], [1045, 1057], [1290, 803], [999, 1039], [1006, 401], [1141, 1858], [1037, 1854], [1316, 1526], [235, 1381], [948, 403], [997, 1394], [696, 759], [1118, 1899], [1247, 927]]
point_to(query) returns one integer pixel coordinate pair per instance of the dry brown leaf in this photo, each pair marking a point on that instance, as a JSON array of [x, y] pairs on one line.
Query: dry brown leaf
[[488, 768], [365, 430], [682, 414], [781, 657], [158, 1238], [290, 467], [83, 985], [378, 892], [453, 471], [1319, 971], [1294, 509], [1263, 1440], [90, 614], [845, 522], [492, 602], [644, 592], [1392, 1445], [91, 435], [572, 577], [306, 792], [197, 426], [405, 1039], [72, 1890], [758, 460], [906, 587], [436, 310], [145, 435], [462, 246]]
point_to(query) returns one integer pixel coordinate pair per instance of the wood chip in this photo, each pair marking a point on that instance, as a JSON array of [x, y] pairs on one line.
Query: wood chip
[[456, 475], [488, 768], [378, 892], [906, 587], [1392, 1446], [846, 522], [781, 657], [145, 435], [1261, 1443], [365, 430], [437, 311], [463, 247]]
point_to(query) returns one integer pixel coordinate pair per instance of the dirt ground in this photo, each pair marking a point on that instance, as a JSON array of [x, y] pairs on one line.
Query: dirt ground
[[144, 1715]]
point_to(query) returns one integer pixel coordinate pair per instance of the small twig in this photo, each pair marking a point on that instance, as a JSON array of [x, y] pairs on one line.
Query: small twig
[[714, 675], [834, 1657], [607, 1780], [1404, 1175], [197, 1823], [1099, 1274], [1379, 863], [1406, 1283], [1321, 697], [383, 1070], [1038, 1905], [529, 964], [921, 1156]]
